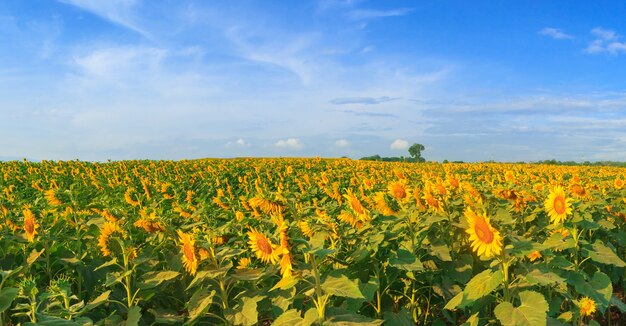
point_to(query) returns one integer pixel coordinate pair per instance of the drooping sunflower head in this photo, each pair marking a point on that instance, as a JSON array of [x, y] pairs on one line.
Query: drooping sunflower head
[[587, 306], [188, 249], [557, 205], [263, 248], [30, 224], [355, 203], [484, 238], [108, 228], [386, 206]]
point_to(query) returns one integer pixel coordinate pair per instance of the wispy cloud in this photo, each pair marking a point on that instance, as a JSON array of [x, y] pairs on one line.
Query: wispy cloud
[[606, 41], [361, 14], [119, 12], [342, 143], [361, 100], [555, 33]]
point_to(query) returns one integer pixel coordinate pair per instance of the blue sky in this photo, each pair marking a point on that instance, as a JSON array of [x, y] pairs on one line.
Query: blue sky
[[471, 80]]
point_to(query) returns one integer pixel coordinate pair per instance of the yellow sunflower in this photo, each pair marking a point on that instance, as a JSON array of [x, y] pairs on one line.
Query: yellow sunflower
[[51, 198], [108, 228], [187, 244], [356, 205], [30, 224], [398, 190], [587, 306], [557, 206], [486, 240], [619, 183], [262, 247]]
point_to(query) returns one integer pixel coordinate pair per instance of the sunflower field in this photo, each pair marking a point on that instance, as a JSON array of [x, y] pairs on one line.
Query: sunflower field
[[311, 242]]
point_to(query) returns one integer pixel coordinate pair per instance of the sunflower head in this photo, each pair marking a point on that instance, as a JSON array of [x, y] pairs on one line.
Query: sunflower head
[[398, 190], [587, 306], [485, 239], [188, 249], [30, 224], [264, 249], [557, 205]]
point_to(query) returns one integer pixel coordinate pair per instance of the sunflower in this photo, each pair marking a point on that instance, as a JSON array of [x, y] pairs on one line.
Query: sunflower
[[108, 228], [587, 306], [534, 255], [557, 206], [618, 183], [267, 206], [383, 206], [398, 190], [262, 247], [486, 240], [30, 224], [51, 198], [243, 263], [355, 204], [187, 244]]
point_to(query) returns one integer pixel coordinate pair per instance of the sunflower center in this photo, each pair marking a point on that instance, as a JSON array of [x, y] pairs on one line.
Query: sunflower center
[[356, 205], [483, 232], [264, 246], [399, 192], [29, 226], [559, 205], [189, 252]]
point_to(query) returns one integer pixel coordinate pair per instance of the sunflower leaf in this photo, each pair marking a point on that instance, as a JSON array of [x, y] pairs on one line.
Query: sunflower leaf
[[532, 311]]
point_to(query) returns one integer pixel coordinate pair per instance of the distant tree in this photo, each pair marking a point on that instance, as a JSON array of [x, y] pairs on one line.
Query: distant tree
[[416, 151]]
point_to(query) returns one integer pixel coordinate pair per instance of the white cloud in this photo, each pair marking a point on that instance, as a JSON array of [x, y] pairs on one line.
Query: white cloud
[[118, 12], [342, 143], [555, 33], [239, 143], [117, 61], [360, 14], [399, 144], [290, 143], [606, 41]]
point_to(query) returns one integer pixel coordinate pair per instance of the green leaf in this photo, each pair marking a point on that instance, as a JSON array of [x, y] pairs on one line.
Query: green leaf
[[213, 273], [599, 288], [402, 318], [33, 256], [472, 321], [454, 302], [537, 276], [107, 264], [481, 285], [405, 260], [166, 316], [288, 318], [7, 295], [605, 255], [310, 317], [247, 313], [199, 302], [342, 317], [102, 298], [248, 274], [134, 314], [532, 311], [342, 286], [618, 303], [153, 279], [114, 278], [441, 251]]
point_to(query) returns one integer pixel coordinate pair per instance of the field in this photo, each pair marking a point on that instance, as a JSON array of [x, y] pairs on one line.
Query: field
[[311, 241]]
